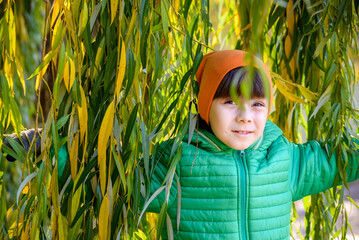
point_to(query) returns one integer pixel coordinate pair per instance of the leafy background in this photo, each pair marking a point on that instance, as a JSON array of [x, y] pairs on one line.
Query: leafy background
[[109, 79]]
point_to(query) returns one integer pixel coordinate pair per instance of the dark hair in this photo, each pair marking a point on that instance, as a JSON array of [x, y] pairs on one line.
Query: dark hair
[[203, 125], [239, 73], [223, 90]]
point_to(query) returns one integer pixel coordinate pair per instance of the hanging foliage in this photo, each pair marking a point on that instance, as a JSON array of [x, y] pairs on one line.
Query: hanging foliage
[[120, 77]]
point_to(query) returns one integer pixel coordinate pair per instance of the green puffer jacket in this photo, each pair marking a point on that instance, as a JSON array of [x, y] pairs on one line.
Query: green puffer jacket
[[230, 194]]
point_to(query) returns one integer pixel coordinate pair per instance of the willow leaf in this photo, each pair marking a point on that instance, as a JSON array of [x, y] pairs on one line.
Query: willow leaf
[[67, 75], [104, 219], [120, 167], [114, 6], [131, 124], [284, 89], [121, 68], [83, 115], [58, 34], [169, 227], [104, 135], [321, 45], [75, 202], [23, 184], [44, 63], [145, 148], [74, 155], [322, 100], [161, 219], [83, 18]]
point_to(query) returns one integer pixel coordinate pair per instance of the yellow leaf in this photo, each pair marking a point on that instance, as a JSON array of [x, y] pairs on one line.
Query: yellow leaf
[[57, 35], [75, 202], [73, 155], [309, 95], [12, 33], [66, 76], [114, 5], [139, 234], [287, 93], [103, 219], [287, 88], [131, 26], [70, 25], [55, 11], [54, 224], [55, 191], [83, 115], [39, 77], [84, 15], [25, 190], [20, 73], [63, 232], [25, 234], [104, 134], [121, 68], [8, 73], [72, 73], [99, 56]]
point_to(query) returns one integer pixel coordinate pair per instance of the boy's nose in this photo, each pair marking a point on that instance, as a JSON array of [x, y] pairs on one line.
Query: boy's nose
[[243, 115]]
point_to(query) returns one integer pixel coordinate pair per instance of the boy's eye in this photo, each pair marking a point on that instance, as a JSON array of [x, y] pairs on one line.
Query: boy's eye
[[229, 102], [258, 104]]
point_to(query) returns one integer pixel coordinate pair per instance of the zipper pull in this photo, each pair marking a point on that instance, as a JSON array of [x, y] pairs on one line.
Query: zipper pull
[[242, 153]]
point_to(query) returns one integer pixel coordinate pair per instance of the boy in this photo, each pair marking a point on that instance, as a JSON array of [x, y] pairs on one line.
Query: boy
[[239, 176]]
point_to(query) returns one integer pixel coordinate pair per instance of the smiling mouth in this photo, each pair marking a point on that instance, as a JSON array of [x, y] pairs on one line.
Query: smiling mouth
[[242, 132]]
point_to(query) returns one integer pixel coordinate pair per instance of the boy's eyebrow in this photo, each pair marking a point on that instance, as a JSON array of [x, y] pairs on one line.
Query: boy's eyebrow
[[259, 98]]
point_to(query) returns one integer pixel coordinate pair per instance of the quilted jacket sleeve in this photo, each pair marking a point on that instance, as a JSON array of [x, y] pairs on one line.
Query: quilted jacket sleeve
[[161, 163], [312, 171]]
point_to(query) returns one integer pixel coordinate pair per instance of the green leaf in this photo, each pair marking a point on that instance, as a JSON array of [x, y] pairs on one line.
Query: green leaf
[[55, 139], [120, 167], [44, 63], [161, 219], [85, 173], [86, 34], [153, 196], [40, 178], [145, 148], [205, 19], [143, 45], [94, 15], [164, 118], [16, 118], [110, 68], [83, 18], [130, 71], [164, 17], [58, 36], [322, 100], [197, 62], [173, 165], [321, 45], [23, 184], [62, 121], [19, 149], [80, 212], [131, 123]]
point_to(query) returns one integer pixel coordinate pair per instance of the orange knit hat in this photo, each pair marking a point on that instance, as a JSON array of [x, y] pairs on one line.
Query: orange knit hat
[[213, 68]]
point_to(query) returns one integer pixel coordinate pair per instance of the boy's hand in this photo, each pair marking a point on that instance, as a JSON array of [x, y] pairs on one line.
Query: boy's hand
[[26, 139]]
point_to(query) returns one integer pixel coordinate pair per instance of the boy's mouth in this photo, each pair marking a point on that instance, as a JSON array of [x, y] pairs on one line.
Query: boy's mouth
[[240, 132]]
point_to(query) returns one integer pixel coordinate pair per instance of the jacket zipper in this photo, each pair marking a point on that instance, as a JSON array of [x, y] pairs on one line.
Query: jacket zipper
[[242, 181]]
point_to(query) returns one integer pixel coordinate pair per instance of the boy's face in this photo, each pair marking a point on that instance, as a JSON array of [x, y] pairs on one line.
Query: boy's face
[[238, 127]]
